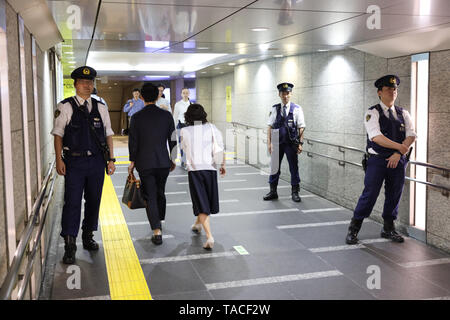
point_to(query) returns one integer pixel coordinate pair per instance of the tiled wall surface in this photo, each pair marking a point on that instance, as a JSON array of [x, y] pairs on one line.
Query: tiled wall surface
[[334, 89]]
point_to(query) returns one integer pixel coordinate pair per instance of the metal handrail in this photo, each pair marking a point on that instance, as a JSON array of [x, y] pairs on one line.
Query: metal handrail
[[248, 126], [334, 145], [11, 278], [341, 162], [36, 243], [445, 188], [445, 171]]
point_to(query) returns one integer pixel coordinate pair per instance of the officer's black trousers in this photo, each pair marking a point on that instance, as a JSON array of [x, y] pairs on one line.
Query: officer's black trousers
[[154, 185], [291, 154], [83, 174]]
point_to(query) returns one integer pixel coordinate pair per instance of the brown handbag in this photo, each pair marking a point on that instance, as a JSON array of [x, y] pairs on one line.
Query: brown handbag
[[133, 196]]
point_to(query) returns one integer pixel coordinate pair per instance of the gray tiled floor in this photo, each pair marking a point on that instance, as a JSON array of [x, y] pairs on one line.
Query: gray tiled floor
[[272, 252]]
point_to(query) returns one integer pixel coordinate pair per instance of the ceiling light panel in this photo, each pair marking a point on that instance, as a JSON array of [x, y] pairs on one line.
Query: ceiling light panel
[[136, 61]]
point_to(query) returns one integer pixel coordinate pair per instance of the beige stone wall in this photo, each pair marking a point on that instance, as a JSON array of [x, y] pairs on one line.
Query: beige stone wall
[[46, 107], [438, 205]]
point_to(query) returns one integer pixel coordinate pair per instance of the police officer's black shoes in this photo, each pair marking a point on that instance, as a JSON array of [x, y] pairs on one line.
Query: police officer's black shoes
[[295, 191], [157, 239], [272, 195], [89, 242], [353, 229], [389, 232], [70, 248]]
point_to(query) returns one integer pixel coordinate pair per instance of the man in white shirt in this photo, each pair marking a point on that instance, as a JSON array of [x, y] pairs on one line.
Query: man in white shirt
[[82, 130], [178, 116], [390, 133], [162, 102]]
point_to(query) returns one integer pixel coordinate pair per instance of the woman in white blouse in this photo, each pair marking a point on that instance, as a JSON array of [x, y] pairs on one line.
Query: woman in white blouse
[[203, 145]]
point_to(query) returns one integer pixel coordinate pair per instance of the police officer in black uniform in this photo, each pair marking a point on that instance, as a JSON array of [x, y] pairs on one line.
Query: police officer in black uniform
[[390, 133], [285, 136], [81, 131]]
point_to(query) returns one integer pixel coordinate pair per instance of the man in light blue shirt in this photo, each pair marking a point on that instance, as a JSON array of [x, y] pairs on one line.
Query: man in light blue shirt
[[134, 105]]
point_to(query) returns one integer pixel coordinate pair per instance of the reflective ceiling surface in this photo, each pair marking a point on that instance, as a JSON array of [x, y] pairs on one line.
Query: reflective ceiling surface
[[167, 29]]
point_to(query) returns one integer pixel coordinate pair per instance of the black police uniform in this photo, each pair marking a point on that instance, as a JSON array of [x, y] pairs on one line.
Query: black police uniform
[[287, 132], [85, 170], [377, 171]]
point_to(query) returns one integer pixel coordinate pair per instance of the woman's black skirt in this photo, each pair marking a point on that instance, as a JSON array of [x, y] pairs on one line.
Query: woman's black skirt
[[204, 191]]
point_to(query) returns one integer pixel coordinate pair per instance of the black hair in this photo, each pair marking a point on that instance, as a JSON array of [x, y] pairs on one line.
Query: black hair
[[161, 85], [136, 89], [195, 112], [149, 92]]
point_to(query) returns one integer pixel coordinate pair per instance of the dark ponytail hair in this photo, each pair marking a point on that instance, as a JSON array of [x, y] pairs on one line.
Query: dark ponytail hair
[[195, 112]]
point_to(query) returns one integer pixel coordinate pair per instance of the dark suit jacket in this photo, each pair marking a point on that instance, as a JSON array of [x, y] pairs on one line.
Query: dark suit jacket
[[150, 130]]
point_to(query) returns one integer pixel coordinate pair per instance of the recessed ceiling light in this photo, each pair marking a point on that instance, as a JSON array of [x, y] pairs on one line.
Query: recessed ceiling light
[[278, 56], [109, 87], [232, 64], [259, 29], [264, 46], [202, 48], [157, 77], [132, 76], [68, 52], [203, 72], [156, 44], [71, 62], [115, 83], [217, 68], [322, 50]]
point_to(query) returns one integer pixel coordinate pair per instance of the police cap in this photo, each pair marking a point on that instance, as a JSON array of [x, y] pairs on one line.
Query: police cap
[[285, 86], [389, 80], [84, 72]]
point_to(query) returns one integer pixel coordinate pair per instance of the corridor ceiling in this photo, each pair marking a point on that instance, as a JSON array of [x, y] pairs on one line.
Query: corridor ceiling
[[179, 37]]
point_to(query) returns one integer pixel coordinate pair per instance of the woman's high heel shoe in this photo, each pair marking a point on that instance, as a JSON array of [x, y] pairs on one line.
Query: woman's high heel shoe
[[197, 228], [209, 244]]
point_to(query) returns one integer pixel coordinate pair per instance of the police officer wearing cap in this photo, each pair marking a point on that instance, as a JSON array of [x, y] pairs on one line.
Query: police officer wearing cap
[[285, 136], [80, 160], [390, 133]]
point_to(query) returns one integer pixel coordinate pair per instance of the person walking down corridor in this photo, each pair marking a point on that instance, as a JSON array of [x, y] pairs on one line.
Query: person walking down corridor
[[178, 115], [203, 144], [162, 102], [82, 129], [151, 131], [285, 136], [390, 133]]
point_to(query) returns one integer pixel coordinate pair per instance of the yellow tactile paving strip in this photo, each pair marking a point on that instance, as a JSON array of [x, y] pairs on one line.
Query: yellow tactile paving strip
[[125, 276], [122, 162]]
